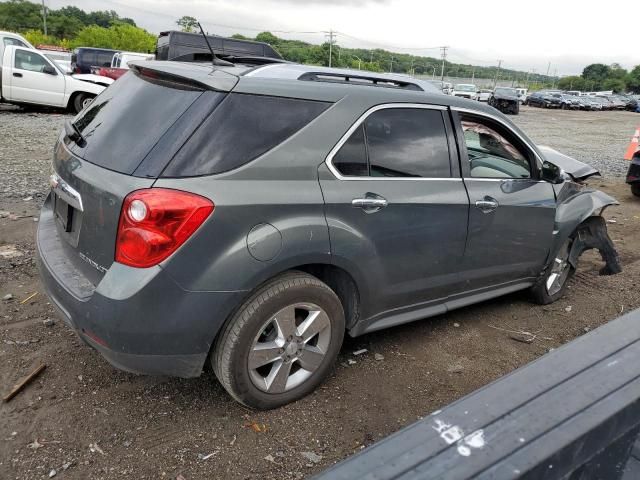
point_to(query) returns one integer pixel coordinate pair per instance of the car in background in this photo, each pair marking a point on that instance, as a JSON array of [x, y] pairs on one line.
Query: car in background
[[60, 56], [7, 39], [30, 78], [484, 95], [589, 103], [543, 99], [576, 93], [84, 59], [465, 90], [505, 99], [567, 102], [607, 103], [120, 64], [523, 93]]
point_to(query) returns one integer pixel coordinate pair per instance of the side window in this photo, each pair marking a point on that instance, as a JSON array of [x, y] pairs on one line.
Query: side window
[[492, 151], [407, 142], [13, 41], [104, 59], [25, 60], [351, 159]]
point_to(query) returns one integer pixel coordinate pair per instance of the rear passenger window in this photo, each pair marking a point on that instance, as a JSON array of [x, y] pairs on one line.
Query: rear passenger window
[[351, 159], [397, 142], [407, 142], [241, 129]]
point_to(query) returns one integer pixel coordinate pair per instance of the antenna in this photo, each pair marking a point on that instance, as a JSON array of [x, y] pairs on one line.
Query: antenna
[[214, 59]]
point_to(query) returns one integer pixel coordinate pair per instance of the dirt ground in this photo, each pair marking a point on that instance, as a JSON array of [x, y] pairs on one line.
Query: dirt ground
[[84, 419]]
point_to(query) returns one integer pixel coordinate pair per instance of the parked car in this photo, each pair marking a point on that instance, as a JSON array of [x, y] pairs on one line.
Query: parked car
[[567, 102], [62, 59], [84, 59], [120, 64], [523, 93], [633, 174], [484, 95], [30, 78], [465, 90], [506, 100], [255, 215], [543, 99], [8, 39]]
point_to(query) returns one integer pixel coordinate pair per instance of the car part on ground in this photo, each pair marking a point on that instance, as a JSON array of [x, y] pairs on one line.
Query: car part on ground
[[252, 196], [506, 100]]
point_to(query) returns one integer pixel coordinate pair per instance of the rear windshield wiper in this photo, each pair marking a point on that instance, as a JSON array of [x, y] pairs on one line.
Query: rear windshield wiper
[[73, 134]]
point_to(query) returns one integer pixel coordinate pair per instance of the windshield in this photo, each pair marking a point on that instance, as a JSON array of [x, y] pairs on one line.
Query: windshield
[[466, 88], [506, 91]]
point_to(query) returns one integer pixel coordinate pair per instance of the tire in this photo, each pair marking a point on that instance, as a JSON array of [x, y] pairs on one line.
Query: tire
[[255, 322], [516, 109], [81, 100], [547, 291], [635, 189]]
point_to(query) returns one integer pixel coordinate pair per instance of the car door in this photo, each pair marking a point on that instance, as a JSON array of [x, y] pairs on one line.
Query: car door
[[512, 211], [396, 206], [35, 80]]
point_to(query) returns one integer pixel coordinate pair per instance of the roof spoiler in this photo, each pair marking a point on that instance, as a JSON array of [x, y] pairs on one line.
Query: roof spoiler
[[206, 78]]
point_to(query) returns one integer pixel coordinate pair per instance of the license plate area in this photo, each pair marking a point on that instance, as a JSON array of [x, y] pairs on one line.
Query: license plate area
[[63, 213]]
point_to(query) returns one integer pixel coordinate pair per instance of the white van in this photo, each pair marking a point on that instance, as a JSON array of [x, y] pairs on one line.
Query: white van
[[523, 93]]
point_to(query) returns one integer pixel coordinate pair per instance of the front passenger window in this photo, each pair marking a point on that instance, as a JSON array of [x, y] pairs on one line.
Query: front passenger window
[[491, 154], [25, 60]]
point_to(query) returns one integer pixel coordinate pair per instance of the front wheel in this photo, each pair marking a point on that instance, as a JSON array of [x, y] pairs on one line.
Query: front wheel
[[635, 189], [282, 342], [554, 283], [81, 101]]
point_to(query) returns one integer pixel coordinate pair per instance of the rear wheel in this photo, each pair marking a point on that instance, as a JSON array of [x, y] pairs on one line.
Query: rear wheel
[[635, 189], [81, 101], [555, 282], [282, 342]]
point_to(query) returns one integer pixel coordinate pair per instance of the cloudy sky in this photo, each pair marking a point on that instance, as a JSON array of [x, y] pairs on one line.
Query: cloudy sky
[[569, 33]]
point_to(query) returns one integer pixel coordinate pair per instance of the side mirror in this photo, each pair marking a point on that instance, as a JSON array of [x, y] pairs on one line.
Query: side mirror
[[49, 70], [552, 173]]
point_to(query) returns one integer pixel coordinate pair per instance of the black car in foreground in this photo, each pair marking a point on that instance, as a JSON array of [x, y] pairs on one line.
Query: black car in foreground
[[505, 99]]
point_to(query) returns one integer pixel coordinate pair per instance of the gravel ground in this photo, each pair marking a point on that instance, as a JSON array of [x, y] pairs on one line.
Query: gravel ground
[[82, 419]]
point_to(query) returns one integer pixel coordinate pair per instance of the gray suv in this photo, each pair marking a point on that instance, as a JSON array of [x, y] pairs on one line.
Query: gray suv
[[250, 216]]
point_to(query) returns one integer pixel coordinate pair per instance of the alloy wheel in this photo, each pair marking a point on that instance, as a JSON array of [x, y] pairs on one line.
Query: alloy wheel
[[289, 347]]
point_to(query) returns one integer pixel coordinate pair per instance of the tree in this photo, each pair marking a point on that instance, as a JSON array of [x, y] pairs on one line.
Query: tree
[[20, 15], [187, 24], [572, 83], [633, 80], [120, 36]]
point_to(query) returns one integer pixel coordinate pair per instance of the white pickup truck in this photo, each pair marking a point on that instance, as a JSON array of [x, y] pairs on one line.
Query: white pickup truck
[[29, 77]]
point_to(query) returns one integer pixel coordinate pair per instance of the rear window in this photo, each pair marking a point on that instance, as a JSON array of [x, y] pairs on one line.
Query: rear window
[[124, 122], [241, 129]]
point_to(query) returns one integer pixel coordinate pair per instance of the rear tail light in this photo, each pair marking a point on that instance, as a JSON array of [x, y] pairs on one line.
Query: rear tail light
[[155, 222]]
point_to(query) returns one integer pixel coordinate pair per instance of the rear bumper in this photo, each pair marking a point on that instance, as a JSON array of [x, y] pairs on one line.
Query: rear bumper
[[140, 320]]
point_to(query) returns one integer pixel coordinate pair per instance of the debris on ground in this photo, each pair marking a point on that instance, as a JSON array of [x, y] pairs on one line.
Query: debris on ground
[[93, 447], [7, 297], [360, 352], [52, 473], [351, 362], [379, 357], [24, 382], [48, 322], [28, 298], [457, 368], [456, 325], [35, 444], [312, 457], [202, 456], [256, 427], [9, 251], [568, 309], [270, 458], [523, 337]]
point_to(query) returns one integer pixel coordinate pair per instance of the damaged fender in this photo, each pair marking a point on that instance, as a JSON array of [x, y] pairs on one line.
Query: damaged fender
[[579, 212]]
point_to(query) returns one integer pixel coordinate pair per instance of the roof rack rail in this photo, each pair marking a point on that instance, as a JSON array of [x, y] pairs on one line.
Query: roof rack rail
[[367, 80]]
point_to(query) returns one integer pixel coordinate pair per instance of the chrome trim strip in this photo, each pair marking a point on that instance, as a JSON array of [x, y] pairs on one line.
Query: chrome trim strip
[[358, 122], [66, 192]]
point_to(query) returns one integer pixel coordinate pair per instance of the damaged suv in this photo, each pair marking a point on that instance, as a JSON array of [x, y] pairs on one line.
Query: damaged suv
[[257, 214]]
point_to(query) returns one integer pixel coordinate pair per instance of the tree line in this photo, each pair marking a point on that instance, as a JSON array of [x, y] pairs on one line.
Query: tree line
[[599, 77], [71, 27]]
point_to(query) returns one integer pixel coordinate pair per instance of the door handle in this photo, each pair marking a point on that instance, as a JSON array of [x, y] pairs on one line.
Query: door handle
[[369, 204], [16, 74], [487, 205]]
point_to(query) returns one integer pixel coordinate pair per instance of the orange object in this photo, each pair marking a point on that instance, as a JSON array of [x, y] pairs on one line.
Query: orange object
[[633, 146]]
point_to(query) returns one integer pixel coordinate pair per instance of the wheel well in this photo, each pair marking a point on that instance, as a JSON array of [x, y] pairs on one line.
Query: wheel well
[[340, 282]]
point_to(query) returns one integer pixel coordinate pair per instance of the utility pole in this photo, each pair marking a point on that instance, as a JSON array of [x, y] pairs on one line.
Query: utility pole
[[555, 73], [44, 16], [444, 57], [495, 80], [548, 68], [473, 74], [391, 65], [330, 34]]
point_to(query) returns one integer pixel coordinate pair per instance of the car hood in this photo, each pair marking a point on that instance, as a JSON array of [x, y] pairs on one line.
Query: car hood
[[501, 96], [91, 78], [575, 168]]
